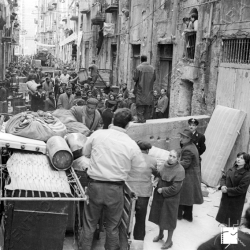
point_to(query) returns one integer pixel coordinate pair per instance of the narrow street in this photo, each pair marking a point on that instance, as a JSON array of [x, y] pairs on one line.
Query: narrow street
[[103, 100]]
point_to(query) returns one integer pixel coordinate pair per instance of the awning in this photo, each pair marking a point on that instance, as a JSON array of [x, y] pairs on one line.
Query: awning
[[45, 45], [69, 39]]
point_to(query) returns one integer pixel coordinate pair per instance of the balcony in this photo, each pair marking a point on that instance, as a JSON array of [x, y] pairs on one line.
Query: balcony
[[7, 36], [84, 7], [73, 17], [113, 7], [97, 16], [190, 44], [50, 7]]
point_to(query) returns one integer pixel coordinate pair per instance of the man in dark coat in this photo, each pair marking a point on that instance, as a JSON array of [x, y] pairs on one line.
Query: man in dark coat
[[191, 190], [38, 99], [144, 77], [197, 138], [50, 102]]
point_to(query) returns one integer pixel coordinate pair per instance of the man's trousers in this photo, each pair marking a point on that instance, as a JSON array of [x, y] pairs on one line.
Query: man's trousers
[[110, 199]]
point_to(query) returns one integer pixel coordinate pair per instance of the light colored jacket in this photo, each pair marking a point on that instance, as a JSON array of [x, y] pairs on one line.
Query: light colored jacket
[[139, 178], [162, 104], [65, 102]]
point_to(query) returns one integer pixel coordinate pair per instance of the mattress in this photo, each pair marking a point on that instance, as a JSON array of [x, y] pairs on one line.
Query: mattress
[[221, 133]]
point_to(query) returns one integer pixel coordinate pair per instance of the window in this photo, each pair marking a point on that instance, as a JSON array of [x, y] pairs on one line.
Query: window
[[236, 51]]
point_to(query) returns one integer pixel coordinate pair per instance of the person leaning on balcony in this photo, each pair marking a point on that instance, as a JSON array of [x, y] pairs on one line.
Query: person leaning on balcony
[[139, 180], [162, 105]]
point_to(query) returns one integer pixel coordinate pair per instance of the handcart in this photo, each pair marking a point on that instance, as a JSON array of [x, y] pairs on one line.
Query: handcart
[[35, 219]]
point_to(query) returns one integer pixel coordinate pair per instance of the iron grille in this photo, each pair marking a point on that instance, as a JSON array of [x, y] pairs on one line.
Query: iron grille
[[236, 51]]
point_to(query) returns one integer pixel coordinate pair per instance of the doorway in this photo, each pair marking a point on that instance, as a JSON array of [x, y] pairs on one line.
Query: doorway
[[165, 70]]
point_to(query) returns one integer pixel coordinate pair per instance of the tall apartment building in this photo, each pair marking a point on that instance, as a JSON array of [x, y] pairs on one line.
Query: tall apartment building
[[27, 15]]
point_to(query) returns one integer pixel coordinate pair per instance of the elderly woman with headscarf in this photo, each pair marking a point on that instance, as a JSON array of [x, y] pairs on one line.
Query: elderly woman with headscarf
[[164, 209]]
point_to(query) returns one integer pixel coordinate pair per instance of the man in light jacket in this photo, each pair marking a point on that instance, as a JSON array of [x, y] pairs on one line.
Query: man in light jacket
[[65, 100], [162, 105]]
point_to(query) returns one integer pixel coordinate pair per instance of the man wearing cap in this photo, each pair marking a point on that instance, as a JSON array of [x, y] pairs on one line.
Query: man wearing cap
[[65, 100], [112, 155], [197, 138], [139, 180], [191, 188], [88, 115]]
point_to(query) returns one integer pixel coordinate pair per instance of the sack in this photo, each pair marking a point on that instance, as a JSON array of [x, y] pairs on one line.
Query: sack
[[39, 126], [68, 119], [77, 127], [32, 86]]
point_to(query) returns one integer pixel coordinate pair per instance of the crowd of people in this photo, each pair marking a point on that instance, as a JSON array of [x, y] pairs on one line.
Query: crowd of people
[[116, 158]]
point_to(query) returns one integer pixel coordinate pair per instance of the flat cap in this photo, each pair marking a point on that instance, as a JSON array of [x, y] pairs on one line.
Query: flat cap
[[187, 133], [193, 121], [92, 101], [143, 145]]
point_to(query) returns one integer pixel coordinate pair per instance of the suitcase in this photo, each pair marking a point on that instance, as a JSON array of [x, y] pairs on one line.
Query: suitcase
[[18, 142]]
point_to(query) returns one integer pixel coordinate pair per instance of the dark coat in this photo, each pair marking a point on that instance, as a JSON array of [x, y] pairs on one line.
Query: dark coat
[[38, 102], [50, 105], [144, 76], [191, 189], [215, 243], [107, 116], [199, 141], [232, 202], [164, 209]]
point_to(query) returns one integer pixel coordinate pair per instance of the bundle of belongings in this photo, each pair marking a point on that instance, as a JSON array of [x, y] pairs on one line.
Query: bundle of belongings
[[70, 121], [35, 125]]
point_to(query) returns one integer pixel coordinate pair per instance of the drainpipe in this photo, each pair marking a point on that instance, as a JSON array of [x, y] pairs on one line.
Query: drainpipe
[[174, 18]]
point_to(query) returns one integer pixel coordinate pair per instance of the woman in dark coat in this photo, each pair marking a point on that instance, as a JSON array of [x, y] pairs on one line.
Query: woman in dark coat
[[234, 185], [164, 209]]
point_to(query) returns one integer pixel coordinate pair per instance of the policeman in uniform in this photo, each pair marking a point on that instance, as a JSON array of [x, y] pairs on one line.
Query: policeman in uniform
[[197, 138]]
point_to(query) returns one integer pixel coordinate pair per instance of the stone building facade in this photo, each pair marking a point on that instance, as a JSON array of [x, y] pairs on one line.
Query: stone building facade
[[198, 69]]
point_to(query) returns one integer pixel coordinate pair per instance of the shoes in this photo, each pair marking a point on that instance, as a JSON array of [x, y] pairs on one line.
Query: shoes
[[158, 237], [188, 218], [180, 217], [167, 246]]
